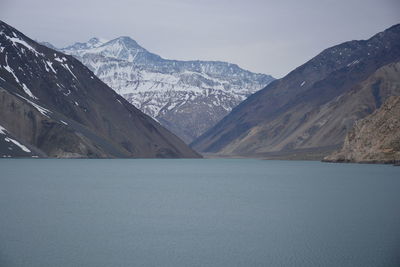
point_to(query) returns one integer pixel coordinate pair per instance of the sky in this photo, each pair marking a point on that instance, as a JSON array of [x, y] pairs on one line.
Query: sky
[[264, 36]]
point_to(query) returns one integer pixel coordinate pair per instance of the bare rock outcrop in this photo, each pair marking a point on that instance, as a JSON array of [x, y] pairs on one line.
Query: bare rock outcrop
[[374, 139]]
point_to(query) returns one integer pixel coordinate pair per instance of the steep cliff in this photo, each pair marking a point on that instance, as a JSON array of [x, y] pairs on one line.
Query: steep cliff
[[374, 139]]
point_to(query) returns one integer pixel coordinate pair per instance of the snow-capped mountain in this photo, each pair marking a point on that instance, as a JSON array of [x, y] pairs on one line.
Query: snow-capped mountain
[[187, 97], [51, 105]]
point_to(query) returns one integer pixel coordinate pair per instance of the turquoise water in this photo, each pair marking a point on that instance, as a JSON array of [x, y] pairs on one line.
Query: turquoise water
[[215, 212]]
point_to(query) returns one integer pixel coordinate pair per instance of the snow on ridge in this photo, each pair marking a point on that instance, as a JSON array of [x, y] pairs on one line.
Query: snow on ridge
[[15, 40], [91, 43], [101, 40]]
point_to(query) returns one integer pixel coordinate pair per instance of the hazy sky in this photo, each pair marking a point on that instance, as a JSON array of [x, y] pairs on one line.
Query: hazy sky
[[263, 36]]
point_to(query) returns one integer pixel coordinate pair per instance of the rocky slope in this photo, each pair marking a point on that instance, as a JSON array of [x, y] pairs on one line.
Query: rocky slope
[[51, 105], [312, 108], [187, 97], [374, 139]]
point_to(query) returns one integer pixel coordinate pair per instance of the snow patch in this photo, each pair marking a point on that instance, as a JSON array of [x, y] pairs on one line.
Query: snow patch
[[61, 60], [67, 93], [2, 130], [24, 87], [42, 110], [50, 64], [16, 40], [45, 66], [28, 92], [66, 67], [15, 142], [353, 63]]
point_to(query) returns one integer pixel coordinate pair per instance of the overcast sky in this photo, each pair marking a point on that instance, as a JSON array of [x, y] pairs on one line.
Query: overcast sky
[[265, 36]]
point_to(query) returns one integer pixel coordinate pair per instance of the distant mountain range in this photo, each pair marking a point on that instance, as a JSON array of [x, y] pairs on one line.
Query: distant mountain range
[[310, 110], [51, 105], [187, 97]]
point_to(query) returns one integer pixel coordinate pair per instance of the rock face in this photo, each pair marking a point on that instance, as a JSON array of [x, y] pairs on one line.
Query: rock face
[[312, 108], [51, 105], [374, 139], [187, 97]]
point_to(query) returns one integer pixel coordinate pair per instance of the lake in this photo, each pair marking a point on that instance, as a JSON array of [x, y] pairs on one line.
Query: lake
[[194, 212]]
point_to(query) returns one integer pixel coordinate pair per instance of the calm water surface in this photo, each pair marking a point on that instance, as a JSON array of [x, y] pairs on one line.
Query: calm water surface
[[216, 212]]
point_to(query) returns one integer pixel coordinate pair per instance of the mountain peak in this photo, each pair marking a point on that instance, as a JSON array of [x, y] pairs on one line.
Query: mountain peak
[[168, 89], [63, 110], [95, 41], [92, 43], [125, 38], [127, 41]]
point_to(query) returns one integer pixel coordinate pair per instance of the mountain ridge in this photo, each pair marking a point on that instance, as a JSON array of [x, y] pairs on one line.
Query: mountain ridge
[[292, 113], [187, 97]]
